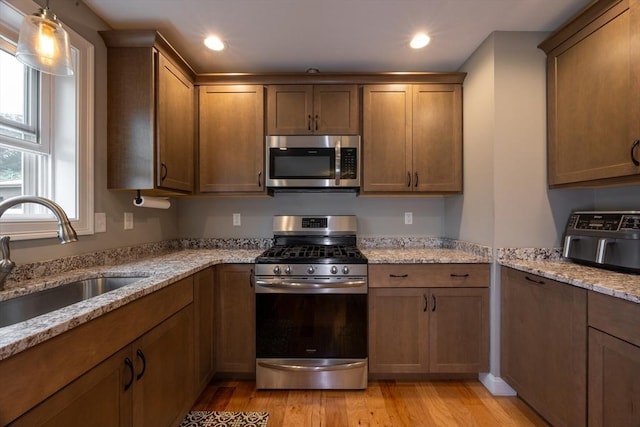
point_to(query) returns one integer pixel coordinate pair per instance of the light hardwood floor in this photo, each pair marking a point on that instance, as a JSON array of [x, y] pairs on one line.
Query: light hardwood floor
[[383, 403]]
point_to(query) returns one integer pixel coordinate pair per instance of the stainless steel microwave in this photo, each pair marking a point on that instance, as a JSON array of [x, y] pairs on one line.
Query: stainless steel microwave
[[313, 162]]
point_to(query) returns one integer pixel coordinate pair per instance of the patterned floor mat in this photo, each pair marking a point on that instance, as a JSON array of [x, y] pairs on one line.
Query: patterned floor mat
[[225, 419]]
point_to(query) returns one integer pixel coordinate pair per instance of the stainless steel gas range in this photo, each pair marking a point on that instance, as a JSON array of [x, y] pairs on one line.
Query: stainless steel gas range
[[311, 306]]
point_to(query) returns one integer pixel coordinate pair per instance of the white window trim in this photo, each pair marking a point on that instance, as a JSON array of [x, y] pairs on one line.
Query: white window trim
[[84, 223]]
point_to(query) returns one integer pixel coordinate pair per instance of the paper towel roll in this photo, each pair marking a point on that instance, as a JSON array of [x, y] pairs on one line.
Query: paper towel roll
[[152, 202]]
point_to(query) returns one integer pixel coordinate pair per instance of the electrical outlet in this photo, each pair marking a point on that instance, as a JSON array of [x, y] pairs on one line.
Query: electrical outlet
[[237, 219], [99, 222], [128, 220], [408, 218]]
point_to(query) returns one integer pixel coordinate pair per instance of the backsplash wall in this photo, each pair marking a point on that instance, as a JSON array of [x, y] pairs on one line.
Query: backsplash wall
[[212, 217]]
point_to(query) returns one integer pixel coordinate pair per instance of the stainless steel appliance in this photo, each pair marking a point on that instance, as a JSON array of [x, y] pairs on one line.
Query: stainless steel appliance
[[607, 239], [313, 162], [311, 306]]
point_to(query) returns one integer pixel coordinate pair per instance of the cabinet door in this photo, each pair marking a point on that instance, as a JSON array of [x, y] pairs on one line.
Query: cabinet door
[[235, 320], [437, 138], [203, 290], [231, 155], [458, 330], [614, 381], [175, 124], [336, 110], [592, 90], [97, 398], [398, 327], [544, 345], [163, 366], [290, 110], [386, 144]]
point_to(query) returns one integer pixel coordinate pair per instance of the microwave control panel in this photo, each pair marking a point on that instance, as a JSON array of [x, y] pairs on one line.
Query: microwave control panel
[[348, 163]]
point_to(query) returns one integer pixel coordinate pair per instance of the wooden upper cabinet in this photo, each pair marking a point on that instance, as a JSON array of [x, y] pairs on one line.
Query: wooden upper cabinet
[[313, 109], [231, 138], [150, 114], [593, 78], [412, 138], [175, 136]]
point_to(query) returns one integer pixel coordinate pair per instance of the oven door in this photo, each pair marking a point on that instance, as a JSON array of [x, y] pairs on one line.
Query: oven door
[[307, 338]]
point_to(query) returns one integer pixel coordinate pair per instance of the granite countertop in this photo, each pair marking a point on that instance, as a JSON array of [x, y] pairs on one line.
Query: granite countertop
[[620, 285], [159, 271], [422, 256]]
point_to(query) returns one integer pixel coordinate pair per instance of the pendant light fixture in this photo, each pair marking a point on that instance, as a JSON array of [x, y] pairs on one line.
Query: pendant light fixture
[[43, 44]]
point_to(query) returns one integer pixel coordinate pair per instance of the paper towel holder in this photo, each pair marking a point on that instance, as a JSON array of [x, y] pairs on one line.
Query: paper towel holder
[[138, 198]]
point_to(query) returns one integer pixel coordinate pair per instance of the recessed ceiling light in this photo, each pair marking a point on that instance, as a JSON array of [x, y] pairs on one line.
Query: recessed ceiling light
[[419, 41], [214, 43]]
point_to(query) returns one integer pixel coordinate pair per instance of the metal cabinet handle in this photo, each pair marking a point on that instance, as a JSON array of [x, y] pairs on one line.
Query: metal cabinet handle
[[129, 364], [426, 303], [459, 275], [538, 282], [309, 122], [140, 355], [416, 183], [398, 276], [260, 179], [317, 121], [633, 152], [163, 171], [408, 179], [252, 279], [433, 297]]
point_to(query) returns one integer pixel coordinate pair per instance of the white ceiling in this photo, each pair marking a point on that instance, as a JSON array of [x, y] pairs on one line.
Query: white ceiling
[[331, 35]]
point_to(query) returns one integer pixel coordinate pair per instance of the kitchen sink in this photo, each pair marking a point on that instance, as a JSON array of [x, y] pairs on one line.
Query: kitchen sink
[[25, 307]]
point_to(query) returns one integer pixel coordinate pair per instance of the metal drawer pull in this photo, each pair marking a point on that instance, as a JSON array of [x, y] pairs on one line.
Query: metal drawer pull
[[633, 152], [303, 368], [529, 279], [426, 302], [434, 303], [398, 276], [317, 285], [129, 364], [408, 179], [459, 275], [140, 355]]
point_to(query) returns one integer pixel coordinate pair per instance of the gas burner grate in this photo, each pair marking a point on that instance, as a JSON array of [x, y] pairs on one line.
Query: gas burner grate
[[318, 253]]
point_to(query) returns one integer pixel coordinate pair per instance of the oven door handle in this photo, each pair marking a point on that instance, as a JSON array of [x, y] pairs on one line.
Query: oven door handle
[[316, 284], [311, 368]]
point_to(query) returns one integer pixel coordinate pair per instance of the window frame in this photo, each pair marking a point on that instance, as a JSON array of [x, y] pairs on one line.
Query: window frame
[[83, 222]]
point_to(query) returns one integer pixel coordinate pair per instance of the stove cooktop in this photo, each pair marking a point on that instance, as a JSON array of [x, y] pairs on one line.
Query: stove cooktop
[[312, 254]]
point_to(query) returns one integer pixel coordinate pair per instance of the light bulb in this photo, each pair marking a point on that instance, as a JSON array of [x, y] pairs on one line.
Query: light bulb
[[419, 41], [214, 43]]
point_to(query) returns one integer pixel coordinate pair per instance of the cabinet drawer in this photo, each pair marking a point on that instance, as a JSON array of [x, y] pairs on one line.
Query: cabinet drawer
[[428, 275], [614, 316]]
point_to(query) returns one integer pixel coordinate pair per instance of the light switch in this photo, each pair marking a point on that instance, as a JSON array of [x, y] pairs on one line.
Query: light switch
[[128, 220], [237, 219], [99, 222]]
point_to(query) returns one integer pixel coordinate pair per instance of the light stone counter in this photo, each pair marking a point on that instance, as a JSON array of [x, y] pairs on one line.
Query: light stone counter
[[551, 266], [159, 271], [422, 256]]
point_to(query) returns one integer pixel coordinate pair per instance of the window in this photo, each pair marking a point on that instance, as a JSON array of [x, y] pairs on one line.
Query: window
[[46, 134]]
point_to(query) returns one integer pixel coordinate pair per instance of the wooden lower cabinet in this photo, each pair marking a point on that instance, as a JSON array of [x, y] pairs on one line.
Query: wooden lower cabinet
[[203, 311], [614, 362], [148, 383], [235, 320], [544, 345], [416, 329]]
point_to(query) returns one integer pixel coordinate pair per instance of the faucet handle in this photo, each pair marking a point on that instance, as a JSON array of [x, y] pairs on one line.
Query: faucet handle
[[6, 265]]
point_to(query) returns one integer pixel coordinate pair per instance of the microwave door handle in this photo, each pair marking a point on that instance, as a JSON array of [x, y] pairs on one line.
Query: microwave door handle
[[338, 161]]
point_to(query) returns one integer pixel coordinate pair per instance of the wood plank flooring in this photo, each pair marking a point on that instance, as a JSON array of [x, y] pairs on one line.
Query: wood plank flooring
[[383, 403]]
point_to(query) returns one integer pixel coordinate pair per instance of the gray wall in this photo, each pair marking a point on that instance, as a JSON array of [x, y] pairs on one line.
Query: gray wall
[[376, 216], [149, 225]]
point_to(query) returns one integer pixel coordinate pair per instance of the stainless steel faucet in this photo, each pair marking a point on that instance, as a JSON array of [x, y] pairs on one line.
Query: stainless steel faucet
[[66, 233]]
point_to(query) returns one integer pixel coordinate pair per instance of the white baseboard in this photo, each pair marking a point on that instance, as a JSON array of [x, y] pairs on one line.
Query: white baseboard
[[496, 385]]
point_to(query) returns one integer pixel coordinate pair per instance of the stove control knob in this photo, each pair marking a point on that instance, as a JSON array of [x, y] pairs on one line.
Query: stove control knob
[[311, 269], [276, 269], [334, 270], [345, 270], [287, 269]]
